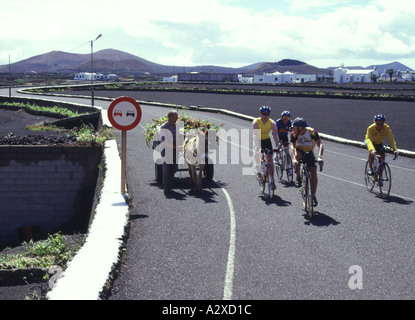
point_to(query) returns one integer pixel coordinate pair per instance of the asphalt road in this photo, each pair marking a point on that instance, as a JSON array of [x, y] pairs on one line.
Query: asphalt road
[[179, 245], [346, 118], [232, 242]]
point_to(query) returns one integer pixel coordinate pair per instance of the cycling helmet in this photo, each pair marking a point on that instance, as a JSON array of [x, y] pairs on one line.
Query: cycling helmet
[[379, 117], [265, 109], [300, 122], [286, 114]]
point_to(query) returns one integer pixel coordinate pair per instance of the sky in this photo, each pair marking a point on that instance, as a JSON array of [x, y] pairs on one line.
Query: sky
[[232, 33]]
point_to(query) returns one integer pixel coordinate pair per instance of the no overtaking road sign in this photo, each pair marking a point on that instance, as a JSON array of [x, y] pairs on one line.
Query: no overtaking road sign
[[124, 113]]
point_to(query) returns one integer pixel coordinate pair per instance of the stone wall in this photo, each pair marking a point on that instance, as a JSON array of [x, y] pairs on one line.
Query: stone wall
[[50, 188]]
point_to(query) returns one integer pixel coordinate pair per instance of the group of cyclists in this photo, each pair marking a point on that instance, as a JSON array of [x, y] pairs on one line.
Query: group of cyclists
[[303, 139]]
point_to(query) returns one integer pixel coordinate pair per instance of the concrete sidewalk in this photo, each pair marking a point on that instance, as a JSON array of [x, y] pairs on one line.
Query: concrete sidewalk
[[88, 272]]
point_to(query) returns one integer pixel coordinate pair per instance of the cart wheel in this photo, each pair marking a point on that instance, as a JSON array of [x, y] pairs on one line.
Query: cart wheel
[[208, 172], [158, 172]]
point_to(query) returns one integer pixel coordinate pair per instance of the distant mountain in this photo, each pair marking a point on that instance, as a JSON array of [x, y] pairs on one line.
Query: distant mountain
[[380, 67], [115, 61], [108, 61], [119, 62], [288, 65], [393, 65], [55, 61]]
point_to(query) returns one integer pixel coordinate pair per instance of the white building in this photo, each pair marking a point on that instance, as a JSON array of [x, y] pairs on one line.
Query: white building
[[344, 75], [243, 79], [106, 77], [286, 77], [170, 79], [276, 77], [301, 78], [82, 76], [86, 76], [406, 76]]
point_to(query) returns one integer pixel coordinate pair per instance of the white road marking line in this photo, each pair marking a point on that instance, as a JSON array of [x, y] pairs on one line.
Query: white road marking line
[[228, 287], [361, 185], [357, 158], [227, 291]]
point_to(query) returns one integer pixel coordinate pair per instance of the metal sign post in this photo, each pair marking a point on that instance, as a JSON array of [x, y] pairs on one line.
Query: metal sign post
[[123, 160]]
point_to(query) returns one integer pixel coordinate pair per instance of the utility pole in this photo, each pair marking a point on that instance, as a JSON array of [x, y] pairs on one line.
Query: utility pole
[[10, 81], [92, 69]]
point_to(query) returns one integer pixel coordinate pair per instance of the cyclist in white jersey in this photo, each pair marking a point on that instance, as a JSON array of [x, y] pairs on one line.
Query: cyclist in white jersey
[[303, 140]]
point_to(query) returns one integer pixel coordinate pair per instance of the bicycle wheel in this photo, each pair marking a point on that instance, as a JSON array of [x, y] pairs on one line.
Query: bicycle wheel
[[308, 197], [385, 181], [289, 169], [302, 188], [261, 182], [270, 188], [370, 182], [279, 167]]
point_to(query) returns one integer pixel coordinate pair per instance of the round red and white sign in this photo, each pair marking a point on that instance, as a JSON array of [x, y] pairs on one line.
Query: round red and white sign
[[124, 113]]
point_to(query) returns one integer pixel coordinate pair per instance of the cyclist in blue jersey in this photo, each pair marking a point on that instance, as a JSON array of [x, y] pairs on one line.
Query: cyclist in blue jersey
[[284, 125]]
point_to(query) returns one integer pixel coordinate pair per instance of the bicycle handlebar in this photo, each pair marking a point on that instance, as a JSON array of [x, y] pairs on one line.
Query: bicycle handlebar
[[320, 163], [382, 155], [269, 150], [389, 149]]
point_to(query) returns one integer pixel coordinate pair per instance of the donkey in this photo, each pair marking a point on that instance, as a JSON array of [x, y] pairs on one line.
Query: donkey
[[194, 154]]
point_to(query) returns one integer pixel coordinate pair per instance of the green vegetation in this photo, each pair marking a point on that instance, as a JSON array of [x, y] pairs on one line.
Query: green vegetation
[[57, 249], [189, 123], [297, 90], [84, 134], [53, 110], [88, 134], [44, 127]]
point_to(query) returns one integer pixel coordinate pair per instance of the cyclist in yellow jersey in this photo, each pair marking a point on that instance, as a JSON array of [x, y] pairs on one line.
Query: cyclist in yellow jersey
[[303, 140], [262, 139], [375, 136]]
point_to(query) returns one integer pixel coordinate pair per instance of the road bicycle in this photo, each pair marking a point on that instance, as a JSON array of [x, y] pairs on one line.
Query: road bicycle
[[306, 187], [284, 163], [381, 176], [265, 179]]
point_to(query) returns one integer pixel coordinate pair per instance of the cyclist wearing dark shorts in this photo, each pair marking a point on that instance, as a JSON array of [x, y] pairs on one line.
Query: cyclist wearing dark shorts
[[262, 127], [375, 136], [284, 125], [303, 141]]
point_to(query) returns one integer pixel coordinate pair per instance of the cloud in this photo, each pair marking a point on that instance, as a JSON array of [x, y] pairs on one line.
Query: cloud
[[355, 33], [322, 5], [15, 55], [222, 32], [28, 24]]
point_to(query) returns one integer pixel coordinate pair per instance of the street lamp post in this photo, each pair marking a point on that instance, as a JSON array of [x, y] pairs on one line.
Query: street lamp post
[[10, 81], [92, 69]]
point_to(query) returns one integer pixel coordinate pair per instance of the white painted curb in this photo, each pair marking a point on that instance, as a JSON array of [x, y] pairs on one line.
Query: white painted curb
[[88, 272]]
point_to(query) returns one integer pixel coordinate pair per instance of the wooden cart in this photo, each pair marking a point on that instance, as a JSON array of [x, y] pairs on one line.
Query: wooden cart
[[208, 169]]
